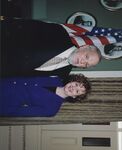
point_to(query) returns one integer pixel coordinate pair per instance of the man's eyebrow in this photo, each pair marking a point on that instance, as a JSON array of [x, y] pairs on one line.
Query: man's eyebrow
[[87, 56]]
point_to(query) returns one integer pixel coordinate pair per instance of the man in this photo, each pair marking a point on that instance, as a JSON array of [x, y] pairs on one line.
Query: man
[[31, 47], [27, 46]]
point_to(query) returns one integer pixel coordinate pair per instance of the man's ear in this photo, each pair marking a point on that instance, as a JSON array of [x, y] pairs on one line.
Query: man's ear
[[84, 46]]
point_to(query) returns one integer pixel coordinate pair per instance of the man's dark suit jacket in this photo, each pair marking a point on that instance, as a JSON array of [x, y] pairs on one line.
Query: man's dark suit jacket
[[27, 44]]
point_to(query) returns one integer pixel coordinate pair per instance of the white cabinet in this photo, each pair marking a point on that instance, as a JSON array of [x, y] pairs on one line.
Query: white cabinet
[[79, 136], [60, 140], [73, 140], [60, 137]]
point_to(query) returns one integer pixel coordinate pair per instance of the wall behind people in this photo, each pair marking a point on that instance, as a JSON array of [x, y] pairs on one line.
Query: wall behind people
[[58, 11]]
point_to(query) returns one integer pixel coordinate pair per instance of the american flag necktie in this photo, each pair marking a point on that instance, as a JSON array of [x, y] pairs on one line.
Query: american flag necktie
[[82, 35]]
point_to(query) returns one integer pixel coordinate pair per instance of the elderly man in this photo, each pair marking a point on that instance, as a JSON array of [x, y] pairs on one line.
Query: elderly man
[[31, 47]]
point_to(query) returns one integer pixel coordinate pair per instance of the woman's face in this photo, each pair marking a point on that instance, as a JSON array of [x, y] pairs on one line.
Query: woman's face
[[74, 89]]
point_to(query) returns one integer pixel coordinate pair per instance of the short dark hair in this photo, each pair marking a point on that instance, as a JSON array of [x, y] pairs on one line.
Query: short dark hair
[[99, 53], [81, 79]]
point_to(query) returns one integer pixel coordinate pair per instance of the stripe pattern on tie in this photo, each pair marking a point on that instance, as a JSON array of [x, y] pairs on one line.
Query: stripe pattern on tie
[[83, 35]]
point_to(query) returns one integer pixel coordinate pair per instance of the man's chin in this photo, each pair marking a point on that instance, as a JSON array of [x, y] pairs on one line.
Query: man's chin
[[74, 63]]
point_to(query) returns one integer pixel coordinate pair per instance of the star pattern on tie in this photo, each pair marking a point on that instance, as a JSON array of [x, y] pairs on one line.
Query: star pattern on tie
[[116, 33]]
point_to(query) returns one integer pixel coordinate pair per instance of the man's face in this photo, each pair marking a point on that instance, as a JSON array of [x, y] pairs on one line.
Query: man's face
[[85, 57]]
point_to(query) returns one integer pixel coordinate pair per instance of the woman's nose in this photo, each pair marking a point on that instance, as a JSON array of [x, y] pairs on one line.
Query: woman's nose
[[82, 88]]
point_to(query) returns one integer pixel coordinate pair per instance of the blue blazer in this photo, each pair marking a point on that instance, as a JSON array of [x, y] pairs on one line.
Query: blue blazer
[[28, 97]]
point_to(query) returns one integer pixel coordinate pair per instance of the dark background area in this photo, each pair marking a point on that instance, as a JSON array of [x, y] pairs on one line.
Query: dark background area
[[59, 10], [16, 8]]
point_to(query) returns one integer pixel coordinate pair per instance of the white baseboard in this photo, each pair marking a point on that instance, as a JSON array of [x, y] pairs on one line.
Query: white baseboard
[[99, 74]]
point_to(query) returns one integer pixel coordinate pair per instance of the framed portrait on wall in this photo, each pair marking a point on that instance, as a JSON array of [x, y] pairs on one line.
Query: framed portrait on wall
[[112, 5], [111, 51]]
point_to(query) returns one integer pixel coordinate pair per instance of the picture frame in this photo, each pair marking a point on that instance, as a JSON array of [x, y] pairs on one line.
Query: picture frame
[[111, 5]]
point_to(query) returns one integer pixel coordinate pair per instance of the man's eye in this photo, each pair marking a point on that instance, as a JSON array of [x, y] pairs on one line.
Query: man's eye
[[87, 57]]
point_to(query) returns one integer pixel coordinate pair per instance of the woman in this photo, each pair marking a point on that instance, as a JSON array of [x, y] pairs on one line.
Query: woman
[[40, 96]]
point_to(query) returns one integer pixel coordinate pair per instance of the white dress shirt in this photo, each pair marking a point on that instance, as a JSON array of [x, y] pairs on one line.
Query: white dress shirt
[[63, 55]]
